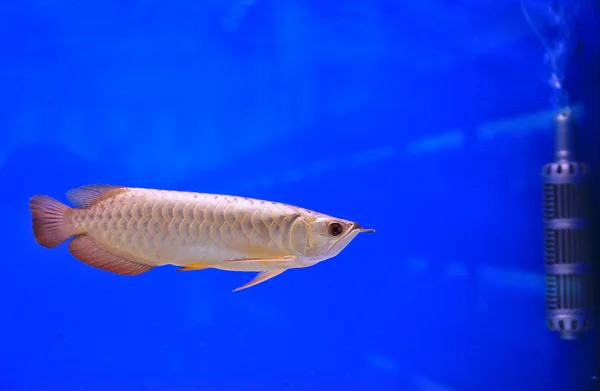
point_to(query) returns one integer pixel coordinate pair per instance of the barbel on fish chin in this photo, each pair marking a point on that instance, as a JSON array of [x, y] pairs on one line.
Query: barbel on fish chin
[[129, 231]]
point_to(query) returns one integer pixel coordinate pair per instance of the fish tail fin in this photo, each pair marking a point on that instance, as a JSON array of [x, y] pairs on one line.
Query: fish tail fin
[[52, 221]]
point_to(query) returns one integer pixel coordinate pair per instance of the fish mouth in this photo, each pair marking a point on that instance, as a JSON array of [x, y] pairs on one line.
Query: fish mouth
[[357, 227], [354, 229]]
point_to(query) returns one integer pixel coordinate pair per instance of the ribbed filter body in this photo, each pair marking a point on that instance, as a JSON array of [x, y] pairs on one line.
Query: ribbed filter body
[[568, 247]]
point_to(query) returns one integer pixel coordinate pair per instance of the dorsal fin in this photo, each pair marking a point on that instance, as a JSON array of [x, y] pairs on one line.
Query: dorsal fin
[[88, 195]]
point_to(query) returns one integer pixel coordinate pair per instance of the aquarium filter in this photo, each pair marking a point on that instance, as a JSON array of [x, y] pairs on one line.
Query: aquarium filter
[[567, 235]]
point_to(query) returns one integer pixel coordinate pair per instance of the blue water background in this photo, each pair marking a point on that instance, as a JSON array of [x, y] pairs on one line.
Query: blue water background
[[428, 121]]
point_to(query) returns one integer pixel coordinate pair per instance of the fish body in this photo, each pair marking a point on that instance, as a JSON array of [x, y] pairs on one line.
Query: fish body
[[132, 230]]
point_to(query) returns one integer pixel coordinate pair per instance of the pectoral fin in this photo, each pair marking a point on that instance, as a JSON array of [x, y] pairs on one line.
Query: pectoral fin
[[261, 277]]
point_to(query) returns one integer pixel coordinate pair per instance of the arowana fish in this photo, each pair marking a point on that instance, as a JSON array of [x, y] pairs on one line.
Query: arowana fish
[[129, 231]]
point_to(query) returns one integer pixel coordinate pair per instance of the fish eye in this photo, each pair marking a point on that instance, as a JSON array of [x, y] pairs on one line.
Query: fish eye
[[335, 229]]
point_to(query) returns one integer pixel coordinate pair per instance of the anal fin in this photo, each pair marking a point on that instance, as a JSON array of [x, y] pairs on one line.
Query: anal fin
[[87, 251], [261, 277]]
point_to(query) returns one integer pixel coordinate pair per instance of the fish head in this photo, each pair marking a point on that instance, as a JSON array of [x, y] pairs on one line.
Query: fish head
[[328, 236]]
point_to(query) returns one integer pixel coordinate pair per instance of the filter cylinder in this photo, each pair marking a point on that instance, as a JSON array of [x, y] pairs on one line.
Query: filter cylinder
[[568, 238]]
